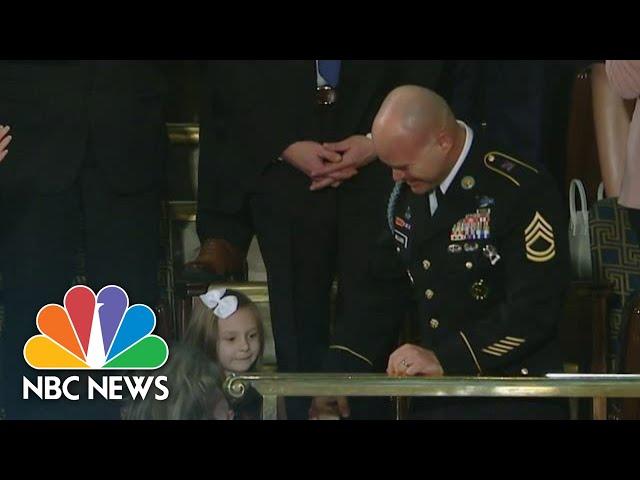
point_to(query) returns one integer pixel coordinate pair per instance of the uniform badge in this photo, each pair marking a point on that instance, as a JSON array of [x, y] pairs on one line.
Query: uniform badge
[[485, 202], [454, 248], [507, 166], [471, 247], [401, 238], [479, 290], [468, 182], [491, 253], [474, 226], [400, 222], [540, 244]]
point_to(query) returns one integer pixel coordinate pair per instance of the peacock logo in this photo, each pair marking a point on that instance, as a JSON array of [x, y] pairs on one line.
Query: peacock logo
[[96, 332]]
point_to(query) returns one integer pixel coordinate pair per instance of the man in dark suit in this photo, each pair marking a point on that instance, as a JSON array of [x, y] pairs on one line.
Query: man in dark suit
[[507, 95], [482, 235], [83, 170], [269, 129]]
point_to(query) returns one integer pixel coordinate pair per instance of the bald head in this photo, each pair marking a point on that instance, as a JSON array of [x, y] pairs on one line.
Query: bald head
[[412, 113], [416, 134]]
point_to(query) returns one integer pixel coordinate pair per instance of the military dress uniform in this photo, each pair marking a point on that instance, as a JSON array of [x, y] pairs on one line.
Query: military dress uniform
[[489, 272]]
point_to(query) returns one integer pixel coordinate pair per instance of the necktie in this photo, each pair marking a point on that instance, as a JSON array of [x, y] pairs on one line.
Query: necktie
[[431, 205], [434, 199], [330, 71]]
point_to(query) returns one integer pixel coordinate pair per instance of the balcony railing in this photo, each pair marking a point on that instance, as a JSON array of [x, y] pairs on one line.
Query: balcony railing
[[272, 386]]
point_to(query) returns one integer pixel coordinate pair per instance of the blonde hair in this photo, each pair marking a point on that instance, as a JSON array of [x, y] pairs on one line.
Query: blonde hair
[[195, 388], [202, 331]]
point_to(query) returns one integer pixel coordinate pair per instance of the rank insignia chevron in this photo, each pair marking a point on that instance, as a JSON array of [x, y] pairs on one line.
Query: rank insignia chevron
[[539, 241]]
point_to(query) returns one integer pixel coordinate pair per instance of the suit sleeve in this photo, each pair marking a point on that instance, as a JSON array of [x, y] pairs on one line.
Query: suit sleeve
[[241, 132]]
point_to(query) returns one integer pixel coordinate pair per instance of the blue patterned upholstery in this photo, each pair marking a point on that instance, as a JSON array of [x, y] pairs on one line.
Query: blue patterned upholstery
[[615, 252]]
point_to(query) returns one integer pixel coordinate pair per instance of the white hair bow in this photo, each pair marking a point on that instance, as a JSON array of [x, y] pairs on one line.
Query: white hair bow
[[222, 307]]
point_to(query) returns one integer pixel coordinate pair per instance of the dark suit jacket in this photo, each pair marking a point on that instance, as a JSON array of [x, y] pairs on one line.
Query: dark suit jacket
[[55, 107], [508, 95], [253, 110], [525, 104]]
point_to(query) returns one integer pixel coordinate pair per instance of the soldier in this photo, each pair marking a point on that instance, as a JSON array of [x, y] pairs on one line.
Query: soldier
[[482, 236]]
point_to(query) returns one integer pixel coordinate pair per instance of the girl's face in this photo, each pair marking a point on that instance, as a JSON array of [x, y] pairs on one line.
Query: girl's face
[[238, 341]]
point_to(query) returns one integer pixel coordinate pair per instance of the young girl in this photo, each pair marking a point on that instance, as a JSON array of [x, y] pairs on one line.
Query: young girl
[[195, 390], [226, 325]]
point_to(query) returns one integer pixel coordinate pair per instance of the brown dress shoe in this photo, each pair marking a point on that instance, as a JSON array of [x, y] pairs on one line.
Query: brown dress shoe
[[217, 260]]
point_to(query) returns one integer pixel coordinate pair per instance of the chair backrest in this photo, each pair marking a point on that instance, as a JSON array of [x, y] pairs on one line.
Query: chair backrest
[[582, 149], [616, 260], [583, 329], [631, 353], [615, 254]]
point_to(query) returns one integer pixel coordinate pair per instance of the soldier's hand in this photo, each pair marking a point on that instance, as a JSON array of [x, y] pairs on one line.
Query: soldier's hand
[[4, 141], [412, 360], [356, 151], [329, 408]]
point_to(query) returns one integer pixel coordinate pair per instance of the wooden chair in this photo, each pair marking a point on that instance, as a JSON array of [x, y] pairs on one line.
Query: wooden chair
[[583, 335], [582, 149], [631, 356]]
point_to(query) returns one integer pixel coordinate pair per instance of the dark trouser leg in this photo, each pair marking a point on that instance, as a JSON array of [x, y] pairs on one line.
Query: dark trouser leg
[[122, 248], [38, 268], [296, 232], [122, 238]]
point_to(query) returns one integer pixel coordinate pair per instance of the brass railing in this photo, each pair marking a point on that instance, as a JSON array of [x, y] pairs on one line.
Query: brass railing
[[272, 386]]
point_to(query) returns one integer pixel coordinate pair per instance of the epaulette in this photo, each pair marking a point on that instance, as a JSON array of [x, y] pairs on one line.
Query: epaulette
[[511, 168]]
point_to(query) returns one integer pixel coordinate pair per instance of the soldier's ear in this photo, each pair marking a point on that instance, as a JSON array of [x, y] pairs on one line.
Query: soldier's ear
[[445, 141]]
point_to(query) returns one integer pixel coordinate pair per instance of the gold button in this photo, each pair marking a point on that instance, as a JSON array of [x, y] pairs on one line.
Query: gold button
[[491, 158], [429, 294], [426, 264], [434, 323], [469, 265], [524, 371]]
